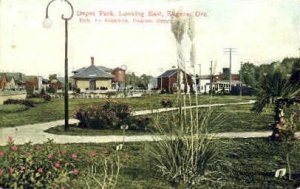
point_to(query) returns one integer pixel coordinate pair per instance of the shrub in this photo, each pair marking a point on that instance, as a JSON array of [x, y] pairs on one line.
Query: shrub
[[36, 166], [27, 103], [103, 88], [11, 108], [109, 115], [166, 103], [51, 90]]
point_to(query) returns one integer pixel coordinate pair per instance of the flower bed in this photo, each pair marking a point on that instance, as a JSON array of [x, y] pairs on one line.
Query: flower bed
[[111, 115]]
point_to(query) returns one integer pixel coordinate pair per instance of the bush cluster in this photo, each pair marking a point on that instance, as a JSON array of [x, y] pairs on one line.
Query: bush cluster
[[36, 166], [166, 103], [28, 103], [110, 115]]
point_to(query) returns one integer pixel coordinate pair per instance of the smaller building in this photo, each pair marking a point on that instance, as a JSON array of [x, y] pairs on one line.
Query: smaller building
[[92, 78], [168, 81], [3, 81]]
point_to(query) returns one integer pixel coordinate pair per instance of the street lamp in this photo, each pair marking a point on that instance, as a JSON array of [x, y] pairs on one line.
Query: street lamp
[[47, 24]]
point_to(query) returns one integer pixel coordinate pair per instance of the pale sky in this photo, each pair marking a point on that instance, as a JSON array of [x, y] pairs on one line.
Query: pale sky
[[262, 31]]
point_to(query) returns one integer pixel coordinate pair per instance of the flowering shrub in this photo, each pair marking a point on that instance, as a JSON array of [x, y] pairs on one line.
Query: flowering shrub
[[286, 126], [36, 166], [109, 115], [166, 103]]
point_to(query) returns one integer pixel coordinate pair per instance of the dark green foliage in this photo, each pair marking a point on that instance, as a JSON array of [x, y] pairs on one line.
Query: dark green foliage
[[166, 103], [27, 103], [109, 115]]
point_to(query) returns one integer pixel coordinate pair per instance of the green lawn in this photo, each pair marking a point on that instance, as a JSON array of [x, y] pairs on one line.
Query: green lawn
[[54, 110], [253, 163], [235, 118]]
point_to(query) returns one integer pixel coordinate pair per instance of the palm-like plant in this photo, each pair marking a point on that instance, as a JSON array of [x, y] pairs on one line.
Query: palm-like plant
[[280, 91]]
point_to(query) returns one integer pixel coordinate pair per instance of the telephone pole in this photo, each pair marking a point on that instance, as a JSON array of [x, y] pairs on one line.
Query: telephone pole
[[230, 51], [199, 83], [241, 86], [211, 76]]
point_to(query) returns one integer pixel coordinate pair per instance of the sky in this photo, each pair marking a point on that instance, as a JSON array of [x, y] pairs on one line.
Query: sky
[[260, 31]]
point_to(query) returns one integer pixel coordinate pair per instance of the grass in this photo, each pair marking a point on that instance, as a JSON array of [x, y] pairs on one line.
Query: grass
[[235, 118], [12, 108], [54, 110], [254, 163], [254, 166]]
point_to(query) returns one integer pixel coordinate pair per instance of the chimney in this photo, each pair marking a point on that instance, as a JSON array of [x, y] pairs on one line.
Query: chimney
[[92, 60]]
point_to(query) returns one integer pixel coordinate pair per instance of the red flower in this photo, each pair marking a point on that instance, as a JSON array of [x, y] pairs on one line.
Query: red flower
[[74, 156], [75, 171], [2, 153], [50, 156], [14, 148], [57, 165], [40, 170]]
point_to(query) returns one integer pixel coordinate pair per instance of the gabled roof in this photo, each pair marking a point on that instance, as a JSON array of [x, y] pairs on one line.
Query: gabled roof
[[15, 75], [168, 73], [92, 72]]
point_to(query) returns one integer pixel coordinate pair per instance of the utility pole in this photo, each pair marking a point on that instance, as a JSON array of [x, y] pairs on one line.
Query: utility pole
[[199, 78], [241, 80], [230, 51], [211, 76]]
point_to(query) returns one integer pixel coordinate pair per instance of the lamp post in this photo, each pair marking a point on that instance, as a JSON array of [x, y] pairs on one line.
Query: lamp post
[[47, 24]]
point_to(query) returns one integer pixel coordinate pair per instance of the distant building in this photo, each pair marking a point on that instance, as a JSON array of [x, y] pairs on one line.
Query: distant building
[[92, 78], [168, 81], [3, 81], [219, 82]]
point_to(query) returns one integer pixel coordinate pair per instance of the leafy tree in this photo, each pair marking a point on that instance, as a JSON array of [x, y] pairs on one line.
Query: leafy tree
[[249, 74]]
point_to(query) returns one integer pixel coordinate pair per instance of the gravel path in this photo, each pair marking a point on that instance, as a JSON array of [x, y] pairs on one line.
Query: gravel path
[[35, 132]]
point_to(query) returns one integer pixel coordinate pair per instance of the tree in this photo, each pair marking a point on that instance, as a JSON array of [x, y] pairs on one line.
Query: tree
[[249, 74]]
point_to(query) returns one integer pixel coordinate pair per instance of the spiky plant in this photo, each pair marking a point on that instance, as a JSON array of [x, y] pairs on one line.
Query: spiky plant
[[281, 92]]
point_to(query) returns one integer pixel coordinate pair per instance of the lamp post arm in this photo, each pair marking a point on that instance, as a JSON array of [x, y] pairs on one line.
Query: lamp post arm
[[47, 8], [62, 16], [72, 11]]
